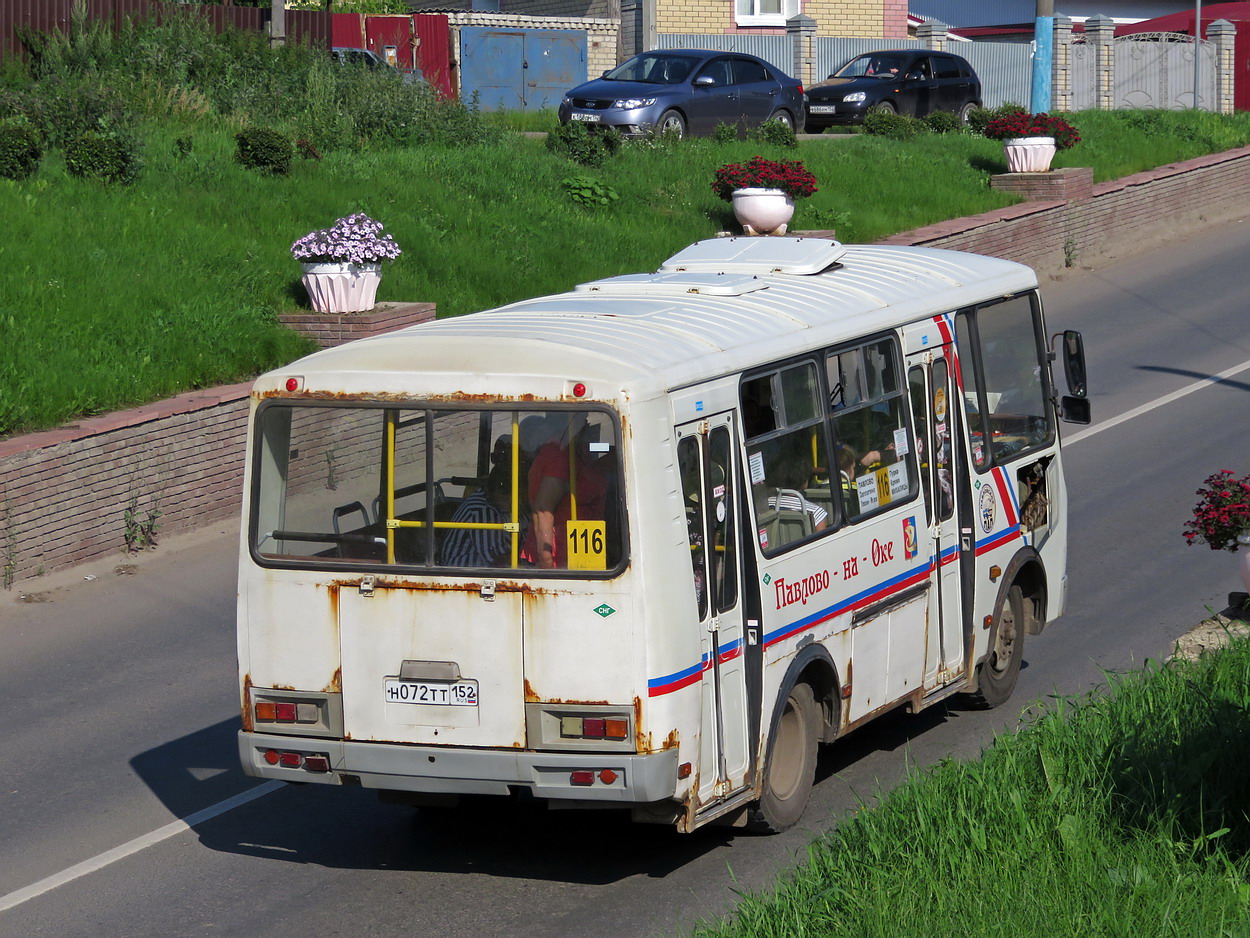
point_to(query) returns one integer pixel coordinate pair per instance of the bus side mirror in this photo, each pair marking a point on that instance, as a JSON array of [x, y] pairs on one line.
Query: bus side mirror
[[1074, 362], [1074, 409]]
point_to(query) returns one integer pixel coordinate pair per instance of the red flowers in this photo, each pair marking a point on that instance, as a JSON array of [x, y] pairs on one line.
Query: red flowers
[[760, 173], [1020, 124], [1222, 513]]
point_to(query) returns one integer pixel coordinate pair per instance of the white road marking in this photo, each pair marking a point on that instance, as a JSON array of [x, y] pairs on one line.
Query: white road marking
[[1157, 403], [109, 857]]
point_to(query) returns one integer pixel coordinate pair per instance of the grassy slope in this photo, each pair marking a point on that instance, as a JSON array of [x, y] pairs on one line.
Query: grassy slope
[[1124, 813], [115, 296]]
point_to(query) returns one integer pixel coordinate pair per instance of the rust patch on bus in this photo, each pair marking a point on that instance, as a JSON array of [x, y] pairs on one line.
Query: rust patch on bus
[[247, 704], [384, 397], [501, 586], [531, 696], [336, 683], [333, 589]]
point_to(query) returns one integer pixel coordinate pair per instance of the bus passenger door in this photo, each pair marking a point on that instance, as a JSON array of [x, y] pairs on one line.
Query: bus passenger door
[[707, 457], [929, 379]]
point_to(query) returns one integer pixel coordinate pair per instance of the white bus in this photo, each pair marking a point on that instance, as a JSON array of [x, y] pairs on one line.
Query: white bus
[[648, 543]]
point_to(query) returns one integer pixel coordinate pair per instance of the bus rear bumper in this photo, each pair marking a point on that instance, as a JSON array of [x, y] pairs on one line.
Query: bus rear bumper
[[607, 777]]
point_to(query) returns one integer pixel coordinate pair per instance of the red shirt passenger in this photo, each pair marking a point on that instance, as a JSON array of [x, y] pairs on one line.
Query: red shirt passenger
[[549, 495]]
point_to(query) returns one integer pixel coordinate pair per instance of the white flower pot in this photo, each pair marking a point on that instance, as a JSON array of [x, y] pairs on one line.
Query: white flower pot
[[763, 211], [1029, 154], [342, 287]]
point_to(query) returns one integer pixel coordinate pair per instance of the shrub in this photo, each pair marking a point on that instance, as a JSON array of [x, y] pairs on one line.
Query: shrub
[[894, 126], [20, 149], [575, 141], [63, 111], [107, 156], [980, 116], [264, 150], [774, 133], [589, 193], [942, 122], [725, 133]]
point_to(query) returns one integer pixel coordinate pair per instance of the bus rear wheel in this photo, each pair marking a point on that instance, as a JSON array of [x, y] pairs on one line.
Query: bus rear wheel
[[997, 674], [791, 765]]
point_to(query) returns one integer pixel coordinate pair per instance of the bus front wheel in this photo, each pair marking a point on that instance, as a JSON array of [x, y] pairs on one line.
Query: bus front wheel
[[997, 674], [791, 765]]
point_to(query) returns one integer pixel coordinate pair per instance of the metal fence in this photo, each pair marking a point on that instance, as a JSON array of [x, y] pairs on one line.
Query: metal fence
[[307, 26]]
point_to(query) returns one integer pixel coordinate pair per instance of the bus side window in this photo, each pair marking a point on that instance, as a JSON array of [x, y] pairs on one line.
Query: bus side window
[[692, 504], [875, 458]]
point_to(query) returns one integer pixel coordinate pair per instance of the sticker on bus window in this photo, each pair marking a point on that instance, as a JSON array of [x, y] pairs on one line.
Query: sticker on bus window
[[586, 542], [756, 462], [901, 445]]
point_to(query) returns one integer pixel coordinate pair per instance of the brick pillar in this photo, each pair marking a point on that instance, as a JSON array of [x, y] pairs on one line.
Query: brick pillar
[[1061, 73], [1222, 33], [802, 32], [1100, 34], [932, 36]]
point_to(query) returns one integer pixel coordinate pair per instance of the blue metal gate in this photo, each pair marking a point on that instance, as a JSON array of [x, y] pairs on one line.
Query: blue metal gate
[[520, 69]]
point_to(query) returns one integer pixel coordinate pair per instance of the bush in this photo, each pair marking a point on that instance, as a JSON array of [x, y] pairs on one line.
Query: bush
[[589, 193], [62, 110], [894, 126], [20, 149], [1019, 124], [264, 150], [980, 116], [725, 133], [575, 141], [943, 122], [774, 133], [107, 156]]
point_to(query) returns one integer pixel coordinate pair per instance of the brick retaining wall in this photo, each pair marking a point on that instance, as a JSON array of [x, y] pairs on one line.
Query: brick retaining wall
[[64, 493]]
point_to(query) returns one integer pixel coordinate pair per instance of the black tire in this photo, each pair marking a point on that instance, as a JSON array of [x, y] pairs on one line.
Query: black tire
[[784, 117], [671, 122], [791, 765], [965, 113], [997, 674], [883, 107]]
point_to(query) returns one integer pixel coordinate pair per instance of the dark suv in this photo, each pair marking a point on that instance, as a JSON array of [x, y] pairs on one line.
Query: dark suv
[[914, 82]]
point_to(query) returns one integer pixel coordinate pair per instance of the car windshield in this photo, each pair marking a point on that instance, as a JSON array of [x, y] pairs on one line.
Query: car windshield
[[655, 69], [874, 65]]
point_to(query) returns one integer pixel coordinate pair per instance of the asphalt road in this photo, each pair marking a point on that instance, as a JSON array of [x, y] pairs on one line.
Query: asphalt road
[[117, 712]]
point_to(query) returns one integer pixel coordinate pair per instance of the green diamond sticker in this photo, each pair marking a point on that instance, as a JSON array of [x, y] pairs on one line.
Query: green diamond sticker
[[767, 578], [604, 610]]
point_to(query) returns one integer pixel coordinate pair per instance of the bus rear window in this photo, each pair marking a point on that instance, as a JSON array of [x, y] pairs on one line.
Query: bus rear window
[[440, 489]]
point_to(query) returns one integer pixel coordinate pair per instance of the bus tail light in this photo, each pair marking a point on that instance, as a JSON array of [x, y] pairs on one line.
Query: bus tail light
[[273, 711], [594, 728], [310, 761], [581, 777]]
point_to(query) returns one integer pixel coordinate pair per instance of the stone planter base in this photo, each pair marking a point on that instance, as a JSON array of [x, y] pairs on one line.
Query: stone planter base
[[1057, 185], [330, 329]]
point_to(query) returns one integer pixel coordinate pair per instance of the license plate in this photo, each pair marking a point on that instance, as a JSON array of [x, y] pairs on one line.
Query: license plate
[[592, 118], [822, 108], [432, 693]]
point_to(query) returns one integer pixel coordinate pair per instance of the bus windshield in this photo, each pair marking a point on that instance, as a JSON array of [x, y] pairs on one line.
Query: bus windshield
[[426, 487]]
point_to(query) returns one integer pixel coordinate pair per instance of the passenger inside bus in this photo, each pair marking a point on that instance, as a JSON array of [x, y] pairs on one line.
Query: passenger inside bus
[[490, 504], [549, 490]]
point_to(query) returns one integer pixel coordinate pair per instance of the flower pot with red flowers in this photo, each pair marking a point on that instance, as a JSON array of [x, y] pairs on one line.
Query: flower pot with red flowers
[[1030, 141], [1222, 517], [762, 192], [342, 264]]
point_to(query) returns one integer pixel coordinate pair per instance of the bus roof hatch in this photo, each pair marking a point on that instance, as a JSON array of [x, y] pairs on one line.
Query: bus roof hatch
[[765, 255]]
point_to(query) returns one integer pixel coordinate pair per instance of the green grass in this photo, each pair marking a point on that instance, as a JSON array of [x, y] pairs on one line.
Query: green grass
[[1123, 813], [117, 296]]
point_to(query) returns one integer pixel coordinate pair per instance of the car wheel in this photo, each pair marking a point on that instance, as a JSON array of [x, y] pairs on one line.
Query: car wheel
[[672, 122], [883, 107], [783, 117], [965, 113]]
